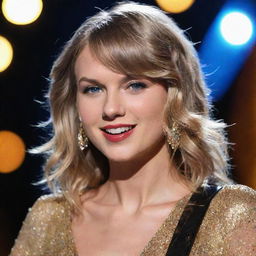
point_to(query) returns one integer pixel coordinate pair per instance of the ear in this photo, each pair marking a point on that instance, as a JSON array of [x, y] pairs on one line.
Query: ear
[[79, 116]]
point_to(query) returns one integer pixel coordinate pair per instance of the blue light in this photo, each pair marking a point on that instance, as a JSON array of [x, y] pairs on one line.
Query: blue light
[[236, 28], [223, 56]]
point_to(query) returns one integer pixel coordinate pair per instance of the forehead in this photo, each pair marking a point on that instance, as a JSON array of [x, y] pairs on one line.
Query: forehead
[[87, 65], [85, 58]]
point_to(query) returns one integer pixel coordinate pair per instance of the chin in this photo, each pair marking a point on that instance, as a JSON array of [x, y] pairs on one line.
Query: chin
[[120, 156]]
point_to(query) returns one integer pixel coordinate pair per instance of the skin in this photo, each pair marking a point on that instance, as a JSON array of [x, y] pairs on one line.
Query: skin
[[121, 216]]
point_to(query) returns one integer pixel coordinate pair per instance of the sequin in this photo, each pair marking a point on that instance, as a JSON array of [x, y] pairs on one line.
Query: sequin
[[228, 229]]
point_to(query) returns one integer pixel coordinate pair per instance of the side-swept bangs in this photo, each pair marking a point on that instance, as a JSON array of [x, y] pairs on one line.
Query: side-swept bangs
[[134, 45]]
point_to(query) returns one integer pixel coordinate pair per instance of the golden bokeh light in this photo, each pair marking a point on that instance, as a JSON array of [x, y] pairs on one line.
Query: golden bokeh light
[[22, 12], [175, 6], [6, 53], [12, 151]]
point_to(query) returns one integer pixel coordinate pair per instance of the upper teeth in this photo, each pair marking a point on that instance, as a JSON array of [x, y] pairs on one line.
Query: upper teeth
[[119, 130]]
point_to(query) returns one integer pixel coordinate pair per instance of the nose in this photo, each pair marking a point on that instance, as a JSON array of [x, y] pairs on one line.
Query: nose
[[113, 107]]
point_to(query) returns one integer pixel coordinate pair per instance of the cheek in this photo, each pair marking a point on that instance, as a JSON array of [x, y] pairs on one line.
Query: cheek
[[88, 111], [150, 109]]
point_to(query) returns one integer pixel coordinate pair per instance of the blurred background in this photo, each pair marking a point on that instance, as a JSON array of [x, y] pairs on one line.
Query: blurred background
[[32, 33]]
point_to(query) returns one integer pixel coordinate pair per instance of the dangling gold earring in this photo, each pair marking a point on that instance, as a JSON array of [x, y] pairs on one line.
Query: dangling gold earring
[[173, 136], [82, 138]]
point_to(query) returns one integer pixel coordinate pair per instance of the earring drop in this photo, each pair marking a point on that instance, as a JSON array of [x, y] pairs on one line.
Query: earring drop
[[82, 138], [173, 136]]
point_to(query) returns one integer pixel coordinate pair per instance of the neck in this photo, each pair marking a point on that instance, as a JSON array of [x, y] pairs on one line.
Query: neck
[[137, 184]]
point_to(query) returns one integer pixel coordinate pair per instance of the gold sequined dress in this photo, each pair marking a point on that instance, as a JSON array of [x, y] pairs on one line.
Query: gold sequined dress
[[228, 228]]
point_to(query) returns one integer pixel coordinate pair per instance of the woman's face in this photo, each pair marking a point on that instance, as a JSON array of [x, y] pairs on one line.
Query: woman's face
[[122, 116]]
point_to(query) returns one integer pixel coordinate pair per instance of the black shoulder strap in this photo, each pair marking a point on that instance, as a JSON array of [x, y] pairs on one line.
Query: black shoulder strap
[[190, 221]]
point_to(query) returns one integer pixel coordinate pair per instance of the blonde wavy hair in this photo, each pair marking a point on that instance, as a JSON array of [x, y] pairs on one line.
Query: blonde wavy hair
[[140, 41]]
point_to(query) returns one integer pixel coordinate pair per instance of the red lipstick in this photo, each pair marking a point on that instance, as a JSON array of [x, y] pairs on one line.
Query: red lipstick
[[117, 126], [117, 137]]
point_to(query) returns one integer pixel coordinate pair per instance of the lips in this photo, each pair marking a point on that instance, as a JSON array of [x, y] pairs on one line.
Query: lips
[[118, 132]]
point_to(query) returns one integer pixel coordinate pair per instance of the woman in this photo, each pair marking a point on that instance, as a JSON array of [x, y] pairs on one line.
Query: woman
[[133, 139]]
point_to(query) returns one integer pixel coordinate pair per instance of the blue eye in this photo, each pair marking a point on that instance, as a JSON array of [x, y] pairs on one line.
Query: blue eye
[[91, 89], [136, 86]]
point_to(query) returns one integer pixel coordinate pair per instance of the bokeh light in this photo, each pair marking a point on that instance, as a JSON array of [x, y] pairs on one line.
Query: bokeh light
[[12, 151], [22, 12], [236, 28], [6, 53], [175, 6]]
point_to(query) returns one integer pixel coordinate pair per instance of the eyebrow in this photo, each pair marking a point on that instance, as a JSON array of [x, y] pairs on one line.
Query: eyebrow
[[125, 79]]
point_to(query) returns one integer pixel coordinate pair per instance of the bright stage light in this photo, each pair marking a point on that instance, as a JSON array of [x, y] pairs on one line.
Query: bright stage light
[[12, 151], [6, 53], [236, 28], [175, 6], [22, 12]]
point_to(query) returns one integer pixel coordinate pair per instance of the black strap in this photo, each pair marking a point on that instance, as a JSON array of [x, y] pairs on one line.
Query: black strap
[[190, 221]]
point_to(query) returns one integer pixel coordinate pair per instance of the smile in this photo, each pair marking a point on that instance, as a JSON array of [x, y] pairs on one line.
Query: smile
[[116, 133], [118, 130]]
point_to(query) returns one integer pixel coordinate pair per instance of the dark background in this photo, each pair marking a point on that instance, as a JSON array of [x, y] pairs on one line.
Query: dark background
[[25, 81]]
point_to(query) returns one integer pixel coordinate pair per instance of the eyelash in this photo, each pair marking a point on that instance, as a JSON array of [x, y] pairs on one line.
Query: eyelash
[[91, 89], [133, 86]]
